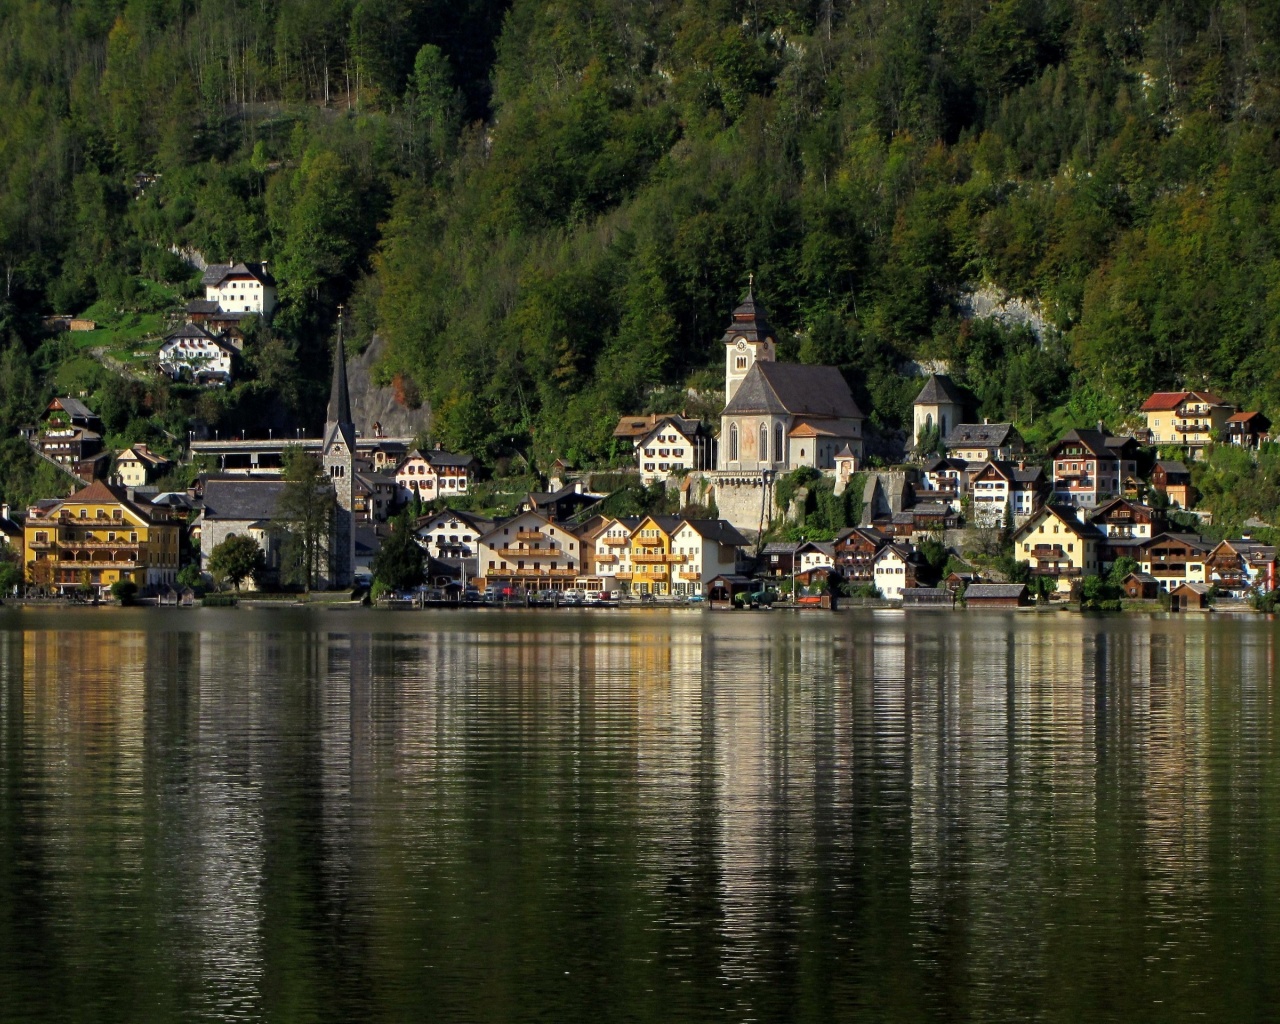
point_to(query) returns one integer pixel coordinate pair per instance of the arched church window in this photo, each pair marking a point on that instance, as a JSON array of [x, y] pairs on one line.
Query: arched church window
[[733, 442], [764, 443], [777, 443]]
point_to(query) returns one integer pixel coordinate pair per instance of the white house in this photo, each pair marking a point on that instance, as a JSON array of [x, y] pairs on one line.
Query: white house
[[815, 555], [191, 351], [240, 287], [612, 553], [893, 571], [668, 444], [710, 547], [529, 550], [434, 474], [450, 535], [1001, 490]]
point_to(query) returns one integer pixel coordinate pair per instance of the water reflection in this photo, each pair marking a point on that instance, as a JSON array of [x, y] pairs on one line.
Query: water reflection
[[666, 816]]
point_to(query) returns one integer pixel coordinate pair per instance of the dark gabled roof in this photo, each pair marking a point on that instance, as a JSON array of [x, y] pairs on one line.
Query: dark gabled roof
[[793, 389], [480, 524], [983, 435], [1175, 467], [241, 499], [1192, 540], [216, 273], [439, 457], [939, 389], [1098, 443], [203, 306], [930, 508], [867, 533], [104, 493], [719, 530], [1141, 577], [994, 590], [782, 547], [74, 408]]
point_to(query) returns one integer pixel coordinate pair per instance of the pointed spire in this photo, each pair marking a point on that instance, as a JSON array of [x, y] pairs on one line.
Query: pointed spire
[[751, 285], [339, 398]]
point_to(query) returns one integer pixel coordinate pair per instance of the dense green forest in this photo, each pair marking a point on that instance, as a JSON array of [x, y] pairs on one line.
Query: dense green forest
[[547, 207]]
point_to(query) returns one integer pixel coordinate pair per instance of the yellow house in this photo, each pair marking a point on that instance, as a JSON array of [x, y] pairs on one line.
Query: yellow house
[[651, 555], [138, 466], [1057, 544], [1187, 418], [98, 537]]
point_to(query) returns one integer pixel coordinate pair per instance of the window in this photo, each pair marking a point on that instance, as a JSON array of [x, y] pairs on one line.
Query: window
[[777, 443], [764, 443], [733, 442], [741, 363]]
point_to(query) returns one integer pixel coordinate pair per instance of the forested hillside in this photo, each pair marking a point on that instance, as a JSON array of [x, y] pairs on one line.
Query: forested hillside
[[549, 207]]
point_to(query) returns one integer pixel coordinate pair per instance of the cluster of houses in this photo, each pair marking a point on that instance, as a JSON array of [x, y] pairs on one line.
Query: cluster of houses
[[204, 349], [1090, 500]]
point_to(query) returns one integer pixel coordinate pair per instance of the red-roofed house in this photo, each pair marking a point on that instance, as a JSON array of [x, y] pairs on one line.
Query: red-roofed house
[[1186, 418], [1247, 429]]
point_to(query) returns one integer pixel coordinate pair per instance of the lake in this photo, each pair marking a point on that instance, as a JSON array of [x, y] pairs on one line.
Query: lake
[[647, 815]]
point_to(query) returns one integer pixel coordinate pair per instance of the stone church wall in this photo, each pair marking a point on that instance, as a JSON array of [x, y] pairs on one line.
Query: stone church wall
[[738, 497]]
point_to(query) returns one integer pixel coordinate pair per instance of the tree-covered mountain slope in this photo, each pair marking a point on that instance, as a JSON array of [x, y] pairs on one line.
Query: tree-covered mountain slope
[[548, 208]]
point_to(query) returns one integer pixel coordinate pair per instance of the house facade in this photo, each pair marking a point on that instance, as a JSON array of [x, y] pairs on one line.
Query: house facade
[[240, 287], [1173, 480], [673, 445], [450, 535], [708, 548], [1059, 546], [1090, 466], [138, 466], [1185, 418], [1003, 491], [434, 474], [1247, 429], [854, 552], [241, 505], [191, 352], [1174, 559], [98, 537], [531, 551], [894, 570], [1241, 567]]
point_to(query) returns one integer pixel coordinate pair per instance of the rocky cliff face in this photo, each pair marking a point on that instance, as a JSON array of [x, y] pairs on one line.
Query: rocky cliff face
[[370, 404]]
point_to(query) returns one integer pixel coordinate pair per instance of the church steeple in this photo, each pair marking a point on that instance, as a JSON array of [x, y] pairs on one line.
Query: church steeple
[[748, 339], [339, 457], [339, 414]]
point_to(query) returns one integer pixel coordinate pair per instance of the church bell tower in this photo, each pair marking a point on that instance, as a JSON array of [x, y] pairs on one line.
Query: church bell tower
[[339, 458], [748, 339]]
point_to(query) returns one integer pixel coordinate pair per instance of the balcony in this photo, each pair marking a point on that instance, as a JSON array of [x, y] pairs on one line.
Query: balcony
[[1052, 551], [617, 542], [606, 559], [530, 552], [530, 535], [691, 575], [623, 575], [102, 545], [39, 545], [1067, 572], [649, 558]]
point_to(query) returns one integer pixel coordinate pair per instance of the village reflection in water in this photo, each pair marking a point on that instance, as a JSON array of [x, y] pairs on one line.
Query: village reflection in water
[[676, 815]]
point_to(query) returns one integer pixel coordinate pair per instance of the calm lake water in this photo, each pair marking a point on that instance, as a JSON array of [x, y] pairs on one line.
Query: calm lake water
[[637, 816]]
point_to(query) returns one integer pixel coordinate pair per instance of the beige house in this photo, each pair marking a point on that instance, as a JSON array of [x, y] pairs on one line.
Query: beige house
[[672, 444], [531, 551], [1058, 545], [893, 570], [138, 466], [434, 474], [1186, 418], [981, 442], [709, 548], [240, 287]]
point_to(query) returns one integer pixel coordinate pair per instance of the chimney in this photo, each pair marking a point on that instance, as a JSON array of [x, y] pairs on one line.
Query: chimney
[[439, 446], [986, 421], [4, 511], [1022, 464], [1101, 428]]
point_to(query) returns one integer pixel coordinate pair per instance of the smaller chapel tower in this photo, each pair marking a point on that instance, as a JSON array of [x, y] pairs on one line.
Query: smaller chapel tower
[[748, 339], [339, 457]]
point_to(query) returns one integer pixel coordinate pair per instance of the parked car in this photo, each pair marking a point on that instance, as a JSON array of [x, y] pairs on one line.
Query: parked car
[[471, 595]]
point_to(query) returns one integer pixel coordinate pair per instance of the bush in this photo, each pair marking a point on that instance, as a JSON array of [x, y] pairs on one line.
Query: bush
[[124, 591]]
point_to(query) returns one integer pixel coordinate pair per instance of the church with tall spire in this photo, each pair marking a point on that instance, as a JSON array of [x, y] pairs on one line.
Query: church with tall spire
[[338, 456]]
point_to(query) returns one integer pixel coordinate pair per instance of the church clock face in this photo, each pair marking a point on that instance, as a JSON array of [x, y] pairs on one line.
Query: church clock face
[[742, 344]]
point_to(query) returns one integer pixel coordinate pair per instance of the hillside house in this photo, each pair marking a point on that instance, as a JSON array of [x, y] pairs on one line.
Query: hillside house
[[1005, 491], [530, 551], [1246, 429], [895, 569], [138, 466], [193, 353], [450, 535], [1173, 480], [1241, 567], [984, 442], [434, 474], [1174, 559], [1090, 466], [240, 287], [1185, 418], [667, 444]]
